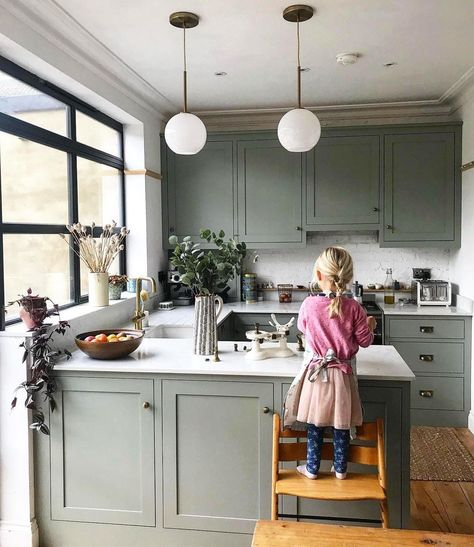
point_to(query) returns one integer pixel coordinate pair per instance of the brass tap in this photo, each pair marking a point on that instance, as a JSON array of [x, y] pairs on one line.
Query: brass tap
[[139, 315]]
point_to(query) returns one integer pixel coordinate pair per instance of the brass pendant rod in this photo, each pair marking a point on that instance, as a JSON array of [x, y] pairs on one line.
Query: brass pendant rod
[[185, 72], [298, 60]]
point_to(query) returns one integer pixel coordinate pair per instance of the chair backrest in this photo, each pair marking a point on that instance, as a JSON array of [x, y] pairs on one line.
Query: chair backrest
[[370, 453]]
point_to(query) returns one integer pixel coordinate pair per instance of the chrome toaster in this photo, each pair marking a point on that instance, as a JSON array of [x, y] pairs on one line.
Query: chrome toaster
[[433, 292]]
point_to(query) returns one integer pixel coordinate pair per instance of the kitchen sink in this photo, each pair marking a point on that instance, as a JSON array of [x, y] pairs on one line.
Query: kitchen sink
[[169, 331]]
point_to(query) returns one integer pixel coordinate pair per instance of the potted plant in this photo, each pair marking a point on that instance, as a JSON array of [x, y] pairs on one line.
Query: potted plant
[[34, 309], [207, 273], [116, 286], [97, 253], [41, 356]]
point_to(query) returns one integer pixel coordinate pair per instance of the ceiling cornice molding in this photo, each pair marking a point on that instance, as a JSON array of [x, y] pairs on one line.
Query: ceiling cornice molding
[[55, 25], [330, 116], [459, 86]]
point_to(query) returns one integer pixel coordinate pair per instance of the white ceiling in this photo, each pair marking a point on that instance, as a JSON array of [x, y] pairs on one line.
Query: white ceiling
[[431, 40]]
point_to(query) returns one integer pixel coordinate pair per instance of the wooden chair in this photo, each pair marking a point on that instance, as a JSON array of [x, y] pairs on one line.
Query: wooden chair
[[357, 486]]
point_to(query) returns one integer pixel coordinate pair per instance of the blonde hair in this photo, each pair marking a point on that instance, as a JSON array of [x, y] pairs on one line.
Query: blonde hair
[[336, 264]]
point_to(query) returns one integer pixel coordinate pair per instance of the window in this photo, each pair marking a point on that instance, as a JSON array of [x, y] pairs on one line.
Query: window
[[61, 162]]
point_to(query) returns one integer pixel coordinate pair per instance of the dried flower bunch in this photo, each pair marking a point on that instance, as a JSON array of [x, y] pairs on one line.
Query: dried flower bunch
[[97, 253]]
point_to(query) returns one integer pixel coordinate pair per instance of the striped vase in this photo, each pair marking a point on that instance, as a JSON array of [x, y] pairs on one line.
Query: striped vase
[[205, 323]]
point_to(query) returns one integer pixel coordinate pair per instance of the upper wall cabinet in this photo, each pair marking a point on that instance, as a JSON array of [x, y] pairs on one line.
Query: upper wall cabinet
[[342, 183], [422, 189], [198, 190], [269, 192]]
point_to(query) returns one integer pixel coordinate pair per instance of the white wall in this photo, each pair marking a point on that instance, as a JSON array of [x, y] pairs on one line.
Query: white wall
[[462, 264], [370, 262]]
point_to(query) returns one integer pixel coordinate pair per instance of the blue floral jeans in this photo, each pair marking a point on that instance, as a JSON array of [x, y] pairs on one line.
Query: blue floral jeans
[[315, 445]]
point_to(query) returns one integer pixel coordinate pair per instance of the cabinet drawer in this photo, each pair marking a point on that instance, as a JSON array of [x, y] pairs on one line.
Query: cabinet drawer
[[425, 328], [437, 393], [432, 356]]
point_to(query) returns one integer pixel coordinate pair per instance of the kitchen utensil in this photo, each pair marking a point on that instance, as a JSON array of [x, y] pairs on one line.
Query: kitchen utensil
[[109, 350], [166, 305], [259, 336]]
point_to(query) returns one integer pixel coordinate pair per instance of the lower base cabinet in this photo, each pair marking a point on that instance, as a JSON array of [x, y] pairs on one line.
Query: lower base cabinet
[[183, 460], [217, 439]]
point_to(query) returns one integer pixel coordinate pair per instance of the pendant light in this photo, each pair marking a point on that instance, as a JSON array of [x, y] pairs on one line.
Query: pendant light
[[299, 129], [185, 133]]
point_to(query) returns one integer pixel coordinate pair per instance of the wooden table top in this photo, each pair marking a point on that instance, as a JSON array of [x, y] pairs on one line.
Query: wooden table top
[[280, 533]]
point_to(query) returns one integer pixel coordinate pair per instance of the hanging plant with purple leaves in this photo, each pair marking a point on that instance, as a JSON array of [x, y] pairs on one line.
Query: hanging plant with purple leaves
[[41, 356]]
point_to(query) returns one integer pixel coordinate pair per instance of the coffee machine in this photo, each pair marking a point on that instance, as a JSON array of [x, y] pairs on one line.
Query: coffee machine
[[179, 293]]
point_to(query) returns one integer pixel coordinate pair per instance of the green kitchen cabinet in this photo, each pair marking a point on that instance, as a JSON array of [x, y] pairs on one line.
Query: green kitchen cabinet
[[216, 454], [342, 183], [102, 451], [422, 188], [198, 190], [438, 351], [269, 196]]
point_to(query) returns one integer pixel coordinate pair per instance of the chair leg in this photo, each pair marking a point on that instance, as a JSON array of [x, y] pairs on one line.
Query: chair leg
[[274, 506], [384, 513]]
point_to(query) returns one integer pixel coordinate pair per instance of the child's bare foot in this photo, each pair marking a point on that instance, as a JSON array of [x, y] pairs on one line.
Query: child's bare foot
[[304, 471]]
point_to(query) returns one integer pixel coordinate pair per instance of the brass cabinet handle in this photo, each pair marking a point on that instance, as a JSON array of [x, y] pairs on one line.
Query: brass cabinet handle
[[146, 404], [427, 330], [266, 410], [427, 358], [428, 393]]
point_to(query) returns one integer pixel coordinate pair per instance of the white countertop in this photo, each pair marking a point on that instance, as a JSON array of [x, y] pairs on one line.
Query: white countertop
[[412, 309], [175, 356]]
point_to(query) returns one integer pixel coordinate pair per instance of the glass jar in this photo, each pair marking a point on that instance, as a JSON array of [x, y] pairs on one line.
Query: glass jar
[[285, 292], [249, 288]]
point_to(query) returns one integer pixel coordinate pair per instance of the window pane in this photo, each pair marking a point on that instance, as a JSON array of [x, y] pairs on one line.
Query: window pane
[[39, 261], [99, 193], [97, 134], [31, 105], [34, 182]]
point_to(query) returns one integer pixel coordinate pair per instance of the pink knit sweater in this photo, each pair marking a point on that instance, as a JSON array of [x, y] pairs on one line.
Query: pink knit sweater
[[344, 334]]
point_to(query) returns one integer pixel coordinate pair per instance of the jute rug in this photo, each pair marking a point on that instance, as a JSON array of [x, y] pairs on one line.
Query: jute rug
[[437, 454]]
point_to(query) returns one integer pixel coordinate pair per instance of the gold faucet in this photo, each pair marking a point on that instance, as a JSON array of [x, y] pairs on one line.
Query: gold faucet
[[139, 315]]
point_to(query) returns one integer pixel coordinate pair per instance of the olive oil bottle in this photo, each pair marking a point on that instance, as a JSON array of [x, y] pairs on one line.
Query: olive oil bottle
[[389, 288]]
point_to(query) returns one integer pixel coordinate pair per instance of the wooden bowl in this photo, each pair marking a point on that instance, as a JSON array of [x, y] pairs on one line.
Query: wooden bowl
[[109, 350]]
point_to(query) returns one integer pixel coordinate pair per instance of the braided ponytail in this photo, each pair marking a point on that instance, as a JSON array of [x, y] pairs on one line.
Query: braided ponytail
[[336, 264]]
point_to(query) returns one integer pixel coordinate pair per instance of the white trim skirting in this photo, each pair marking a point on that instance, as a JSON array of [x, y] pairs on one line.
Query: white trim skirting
[[14, 534]]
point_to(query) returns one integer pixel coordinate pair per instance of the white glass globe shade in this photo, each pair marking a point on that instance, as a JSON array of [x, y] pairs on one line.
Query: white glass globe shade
[[185, 134], [299, 130]]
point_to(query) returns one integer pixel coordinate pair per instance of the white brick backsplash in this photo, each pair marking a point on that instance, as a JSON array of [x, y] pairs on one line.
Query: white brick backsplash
[[370, 261]]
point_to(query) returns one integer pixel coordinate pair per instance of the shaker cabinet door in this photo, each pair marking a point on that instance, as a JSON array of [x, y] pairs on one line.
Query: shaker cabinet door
[[102, 451], [420, 186], [217, 450], [269, 192], [342, 183], [200, 190]]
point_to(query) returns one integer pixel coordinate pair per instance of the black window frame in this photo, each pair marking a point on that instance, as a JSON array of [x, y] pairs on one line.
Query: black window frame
[[73, 149]]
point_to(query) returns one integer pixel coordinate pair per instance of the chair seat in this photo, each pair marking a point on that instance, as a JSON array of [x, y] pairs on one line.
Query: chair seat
[[326, 487]]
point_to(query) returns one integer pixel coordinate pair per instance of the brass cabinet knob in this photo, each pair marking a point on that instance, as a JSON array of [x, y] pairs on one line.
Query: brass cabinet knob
[[426, 358], [428, 393], [146, 404], [427, 330], [171, 229], [266, 410], [389, 226], [298, 228], [375, 209]]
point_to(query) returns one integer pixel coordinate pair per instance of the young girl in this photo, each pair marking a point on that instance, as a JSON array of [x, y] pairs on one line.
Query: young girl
[[335, 326]]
